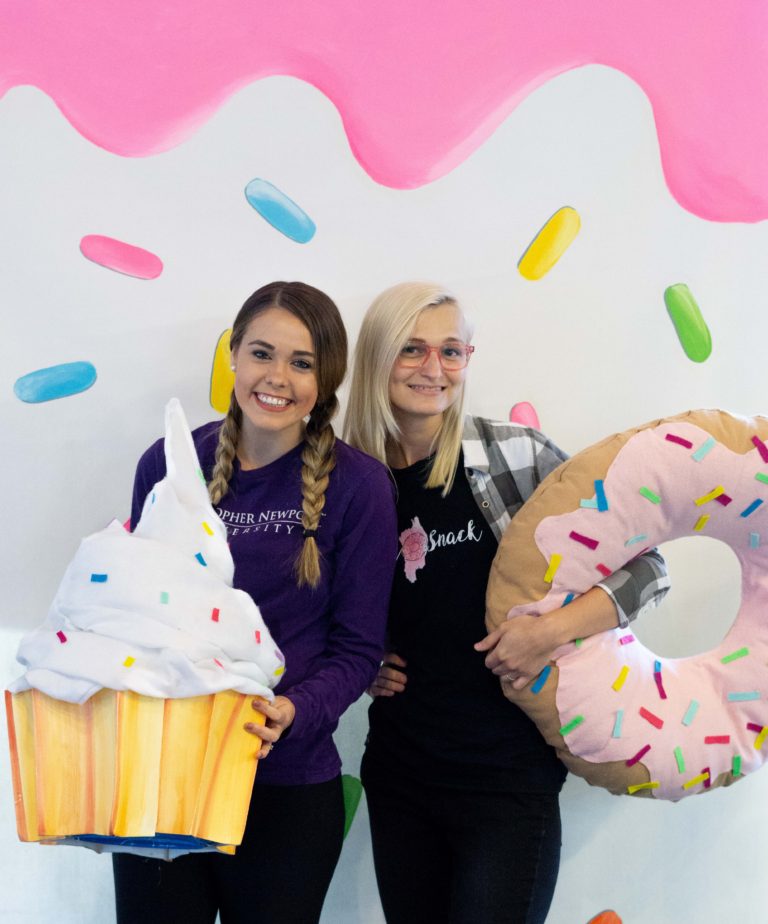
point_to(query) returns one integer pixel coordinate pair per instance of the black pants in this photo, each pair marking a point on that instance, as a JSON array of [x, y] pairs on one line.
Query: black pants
[[279, 874], [462, 857]]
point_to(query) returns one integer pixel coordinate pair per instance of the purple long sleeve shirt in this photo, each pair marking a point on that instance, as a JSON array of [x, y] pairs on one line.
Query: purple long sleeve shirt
[[332, 636]]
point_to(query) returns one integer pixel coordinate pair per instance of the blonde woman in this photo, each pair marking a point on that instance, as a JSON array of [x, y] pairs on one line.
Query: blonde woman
[[311, 526], [462, 790]]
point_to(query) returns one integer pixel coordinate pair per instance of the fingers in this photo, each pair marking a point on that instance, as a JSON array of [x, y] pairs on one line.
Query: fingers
[[266, 709], [387, 686], [394, 660], [489, 641], [389, 680], [268, 733], [264, 751]]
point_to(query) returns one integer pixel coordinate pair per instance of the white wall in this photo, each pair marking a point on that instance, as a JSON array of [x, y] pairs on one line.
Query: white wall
[[590, 346]]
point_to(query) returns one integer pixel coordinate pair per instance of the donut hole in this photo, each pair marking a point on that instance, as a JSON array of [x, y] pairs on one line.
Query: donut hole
[[702, 603]]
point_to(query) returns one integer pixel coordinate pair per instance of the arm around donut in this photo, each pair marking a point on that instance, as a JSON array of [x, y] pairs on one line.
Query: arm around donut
[[520, 648]]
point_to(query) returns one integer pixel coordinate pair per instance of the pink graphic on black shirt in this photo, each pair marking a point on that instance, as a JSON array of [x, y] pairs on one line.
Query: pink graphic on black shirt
[[414, 546]]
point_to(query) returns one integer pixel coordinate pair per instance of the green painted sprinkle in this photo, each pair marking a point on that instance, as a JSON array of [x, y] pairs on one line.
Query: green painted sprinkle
[[574, 723], [736, 767], [761, 477], [690, 326], [164, 596], [680, 760], [735, 655], [649, 495]]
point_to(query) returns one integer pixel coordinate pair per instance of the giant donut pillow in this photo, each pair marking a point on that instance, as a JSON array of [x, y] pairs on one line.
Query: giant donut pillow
[[619, 715]]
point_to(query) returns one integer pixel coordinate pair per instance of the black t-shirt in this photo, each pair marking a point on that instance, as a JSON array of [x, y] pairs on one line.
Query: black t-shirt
[[452, 724]]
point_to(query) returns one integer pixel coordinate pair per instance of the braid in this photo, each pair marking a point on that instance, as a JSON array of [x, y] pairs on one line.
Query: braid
[[319, 459], [225, 452]]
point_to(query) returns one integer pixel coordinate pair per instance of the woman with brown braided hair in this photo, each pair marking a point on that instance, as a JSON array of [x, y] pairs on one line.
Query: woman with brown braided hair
[[311, 525]]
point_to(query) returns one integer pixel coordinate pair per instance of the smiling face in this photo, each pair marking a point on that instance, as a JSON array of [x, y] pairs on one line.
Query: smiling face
[[428, 391], [275, 379]]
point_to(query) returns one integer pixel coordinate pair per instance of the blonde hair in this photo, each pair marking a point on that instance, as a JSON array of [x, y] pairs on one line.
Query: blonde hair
[[321, 317], [370, 422]]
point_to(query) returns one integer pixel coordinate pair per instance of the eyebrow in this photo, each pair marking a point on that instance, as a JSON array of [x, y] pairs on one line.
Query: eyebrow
[[450, 339], [270, 346]]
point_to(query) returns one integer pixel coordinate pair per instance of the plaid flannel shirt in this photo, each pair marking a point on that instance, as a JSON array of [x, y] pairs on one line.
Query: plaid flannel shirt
[[505, 463]]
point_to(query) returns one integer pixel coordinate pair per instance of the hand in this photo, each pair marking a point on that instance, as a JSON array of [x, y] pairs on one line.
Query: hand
[[389, 680], [519, 649], [278, 715]]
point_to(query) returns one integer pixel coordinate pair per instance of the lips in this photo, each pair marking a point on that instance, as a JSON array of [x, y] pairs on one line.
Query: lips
[[271, 402]]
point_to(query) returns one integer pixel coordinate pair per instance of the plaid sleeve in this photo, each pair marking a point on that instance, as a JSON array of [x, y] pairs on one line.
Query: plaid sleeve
[[637, 587], [517, 459], [525, 454]]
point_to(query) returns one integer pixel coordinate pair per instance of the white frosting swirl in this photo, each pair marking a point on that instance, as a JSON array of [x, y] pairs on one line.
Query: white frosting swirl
[[154, 611]]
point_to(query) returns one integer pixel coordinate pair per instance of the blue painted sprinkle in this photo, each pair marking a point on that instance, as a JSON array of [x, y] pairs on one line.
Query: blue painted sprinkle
[[706, 447], [541, 679], [751, 509], [55, 382], [602, 502], [281, 212]]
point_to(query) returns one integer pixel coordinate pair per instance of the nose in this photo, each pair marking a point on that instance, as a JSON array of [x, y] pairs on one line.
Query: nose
[[431, 366], [277, 373]]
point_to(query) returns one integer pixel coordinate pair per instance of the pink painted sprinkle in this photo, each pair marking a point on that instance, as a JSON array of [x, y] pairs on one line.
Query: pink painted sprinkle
[[626, 639], [660, 685], [61, 637], [584, 540], [121, 257], [215, 614], [755, 728], [258, 637], [761, 448], [679, 440], [216, 661], [604, 570], [717, 739], [708, 781], [650, 717], [723, 499], [640, 754]]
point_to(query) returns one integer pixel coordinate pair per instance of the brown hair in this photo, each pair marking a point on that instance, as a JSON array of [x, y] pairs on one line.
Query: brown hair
[[321, 317]]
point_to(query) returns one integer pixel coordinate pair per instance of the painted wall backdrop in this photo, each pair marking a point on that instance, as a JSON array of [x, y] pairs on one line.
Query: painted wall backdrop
[[161, 161]]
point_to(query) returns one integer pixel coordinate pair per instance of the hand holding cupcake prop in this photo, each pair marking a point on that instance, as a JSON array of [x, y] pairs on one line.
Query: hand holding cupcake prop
[[127, 728]]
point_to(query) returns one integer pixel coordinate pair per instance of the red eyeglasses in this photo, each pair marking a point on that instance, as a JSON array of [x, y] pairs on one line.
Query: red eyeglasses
[[452, 356]]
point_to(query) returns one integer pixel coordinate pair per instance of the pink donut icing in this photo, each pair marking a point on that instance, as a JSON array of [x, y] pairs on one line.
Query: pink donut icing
[[698, 714]]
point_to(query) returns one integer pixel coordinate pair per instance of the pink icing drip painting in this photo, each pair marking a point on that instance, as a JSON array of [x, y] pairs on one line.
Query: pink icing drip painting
[[419, 85], [413, 543]]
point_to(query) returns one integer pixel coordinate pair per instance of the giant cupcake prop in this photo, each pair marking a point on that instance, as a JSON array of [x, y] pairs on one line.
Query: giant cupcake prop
[[126, 729]]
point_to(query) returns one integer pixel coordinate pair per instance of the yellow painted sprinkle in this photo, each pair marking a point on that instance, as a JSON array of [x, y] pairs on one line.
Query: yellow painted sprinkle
[[761, 738], [696, 780], [554, 564], [129, 661], [706, 498], [701, 523], [654, 784], [618, 683], [279, 670], [207, 528]]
